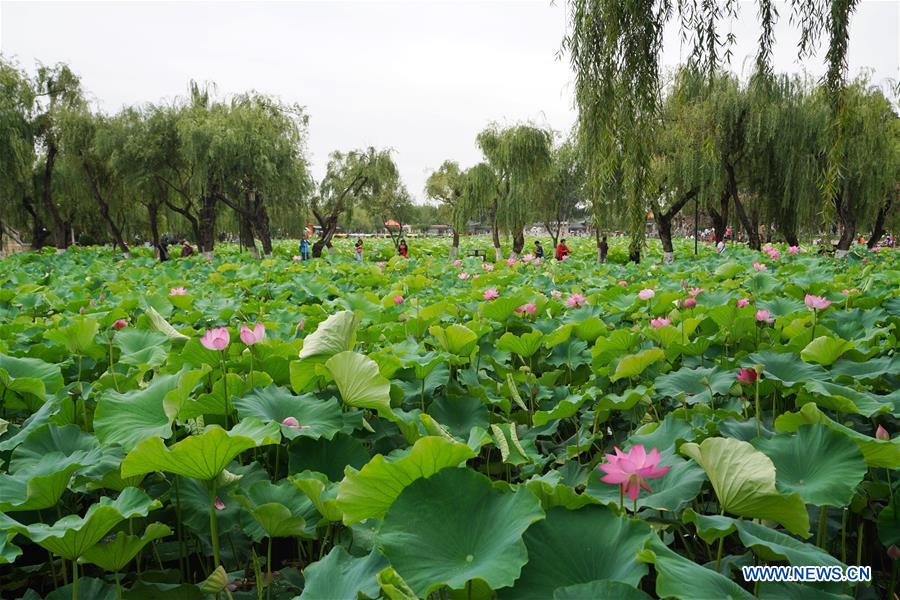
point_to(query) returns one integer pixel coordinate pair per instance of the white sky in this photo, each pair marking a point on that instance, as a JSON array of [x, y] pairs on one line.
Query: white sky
[[422, 78]]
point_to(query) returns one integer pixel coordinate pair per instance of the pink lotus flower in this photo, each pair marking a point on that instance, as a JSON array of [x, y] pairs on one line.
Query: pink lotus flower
[[537, 262], [575, 301], [758, 266], [398, 299], [816, 302], [695, 291], [253, 336], [793, 250], [381, 263], [772, 252], [528, 258], [491, 293], [456, 263], [747, 376], [216, 339], [742, 302], [556, 294], [463, 275], [527, 309], [763, 316], [510, 261], [646, 294], [219, 504], [623, 283], [882, 434], [689, 303], [178, 291], [120, 324], [297, 257], [660, 322], [487, 266], [631, 469], [301, 325], [291, 422], [894, 552]]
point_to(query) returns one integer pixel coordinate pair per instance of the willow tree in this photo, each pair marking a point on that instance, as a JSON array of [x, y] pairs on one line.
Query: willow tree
[[447, 185], [17, 154], [518, 159], [354, 177], [559, 193]]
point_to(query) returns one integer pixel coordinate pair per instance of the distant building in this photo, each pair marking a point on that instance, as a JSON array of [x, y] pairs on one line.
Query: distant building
[[475, 228], [437, 230]]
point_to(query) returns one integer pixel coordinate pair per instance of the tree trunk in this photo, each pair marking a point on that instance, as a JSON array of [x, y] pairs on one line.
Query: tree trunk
[[848, 222], [555, 235], [454, 248], [750, 226], [246, 233], [878, 227], [664, 228], [38, 231], [720, 217], [329, 226], [60, 228], [104, 210], [518, 242], [495, 233], [206, 233], [791, 238], [153, 219]]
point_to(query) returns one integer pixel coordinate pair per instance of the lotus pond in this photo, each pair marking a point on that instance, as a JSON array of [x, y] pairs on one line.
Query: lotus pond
[[420, 428]]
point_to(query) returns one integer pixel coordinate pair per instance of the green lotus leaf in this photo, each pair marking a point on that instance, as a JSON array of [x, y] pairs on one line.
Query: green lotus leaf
[[305, 373], [393, 587], [359, 382], [89, 588], [797, 591], [77, 336], [770, 545], [551, 491], [635, 364], [524, 345], [317, 418], [129, 418], [158, 323], [889, 525], [329, 457], [693, 385], [335, 334], [321, 492], [141, 347], [709, 527], [454, 527], [785, 367], [865, 371], [664, 434], [744, 481], [564, 409], [456, 339], [502, 308], [280, 510], [9, 552], [31, 379], [68, 444], [216, 581], [825, 350], [202, 456], [37, 419], [877, 453], [571, 547], [71, 536], [606, 588], [460, 413], [513, 450], [369, 492], [671, 492], [115, 554], [681, 578], [848, 400], [820, 464], [729, 270], [340, 575]]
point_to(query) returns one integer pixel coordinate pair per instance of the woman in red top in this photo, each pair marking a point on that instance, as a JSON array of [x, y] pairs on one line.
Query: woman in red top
[[402, 249], [562, 251]]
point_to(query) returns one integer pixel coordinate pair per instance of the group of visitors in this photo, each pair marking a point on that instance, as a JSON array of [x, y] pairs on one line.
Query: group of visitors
[[166, 240]]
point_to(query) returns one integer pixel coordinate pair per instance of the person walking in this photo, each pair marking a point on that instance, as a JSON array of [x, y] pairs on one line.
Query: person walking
[[538, 249], [359, 249], [562, 251], [403, 249], [604, 249], [186, 249], [304, 248]]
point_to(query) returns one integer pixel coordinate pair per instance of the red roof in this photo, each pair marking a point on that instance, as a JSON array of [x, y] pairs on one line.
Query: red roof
[[392, 224]]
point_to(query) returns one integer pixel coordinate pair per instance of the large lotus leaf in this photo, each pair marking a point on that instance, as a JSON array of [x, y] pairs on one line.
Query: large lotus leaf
[[68, 444], [709, 527], [797, 591], [565, 408], [671, 492], [825, 350], [855, 323], [115, 554], [335, 334], [71, 536], [785, 367], [369, 492], [455, 339], [551, 491], [131, 417], [202, 456], [500, 309], [571, 547], [321, 492], [142, 347], [889, 525], [454, 527], [9, 552], [877, 453], [329, 457], [850, 401], [393, 587], [664, 434], [607, 588], [359, 382], [89, 588], [30, 378], [159, 323], [317, 418], [744, 481], [305, 373], [459, 413], [681, 578], [77, 336], [41, 417], [693, 385], [821, 465], [634, 364], [280, 510], [340, 575], [524, 345], [774, 545], [39, 486], [870, 369]]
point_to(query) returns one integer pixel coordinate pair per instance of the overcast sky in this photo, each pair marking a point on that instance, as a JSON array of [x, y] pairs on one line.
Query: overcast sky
[[422, 78]]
